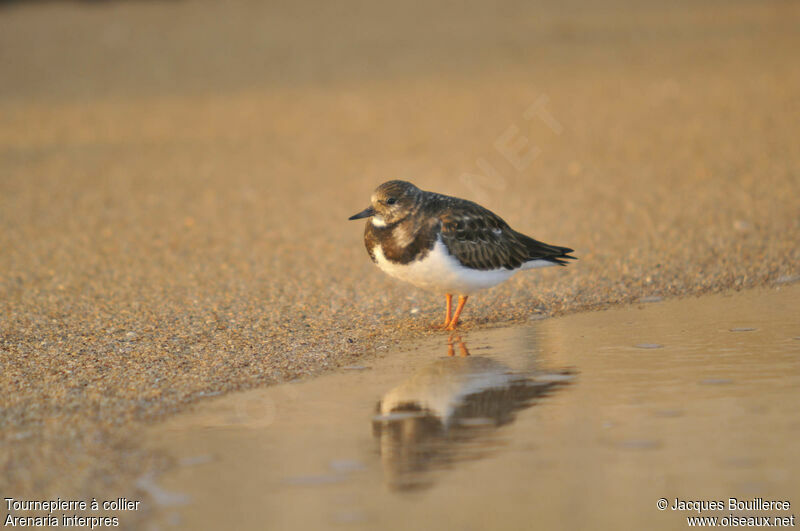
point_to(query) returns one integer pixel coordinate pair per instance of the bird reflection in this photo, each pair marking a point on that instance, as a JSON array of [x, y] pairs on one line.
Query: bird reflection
[[449, 411]]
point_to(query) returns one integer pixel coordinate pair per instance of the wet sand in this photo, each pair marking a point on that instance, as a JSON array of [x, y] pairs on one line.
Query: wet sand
[[175, 179], [576, 422]]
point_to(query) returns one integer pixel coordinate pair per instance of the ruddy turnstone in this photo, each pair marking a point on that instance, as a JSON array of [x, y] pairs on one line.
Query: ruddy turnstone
[[446, 244]]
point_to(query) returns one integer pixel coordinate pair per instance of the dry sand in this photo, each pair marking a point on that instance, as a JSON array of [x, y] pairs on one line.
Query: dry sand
[[175, 179]]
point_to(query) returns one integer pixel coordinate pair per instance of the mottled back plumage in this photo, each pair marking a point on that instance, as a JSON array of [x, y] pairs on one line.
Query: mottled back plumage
[[475, 236]]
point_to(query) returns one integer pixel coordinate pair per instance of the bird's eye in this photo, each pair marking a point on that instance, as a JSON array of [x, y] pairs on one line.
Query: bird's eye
[[391, 201]]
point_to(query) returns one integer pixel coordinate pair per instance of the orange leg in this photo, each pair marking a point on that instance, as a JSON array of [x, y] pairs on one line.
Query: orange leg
[[462, 300], [449, 299]]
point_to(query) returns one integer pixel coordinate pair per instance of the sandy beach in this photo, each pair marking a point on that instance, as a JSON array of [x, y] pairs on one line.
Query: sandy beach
[[175, 179]]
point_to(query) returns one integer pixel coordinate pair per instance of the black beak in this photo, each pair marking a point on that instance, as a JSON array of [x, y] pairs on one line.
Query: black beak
[[367, 212]]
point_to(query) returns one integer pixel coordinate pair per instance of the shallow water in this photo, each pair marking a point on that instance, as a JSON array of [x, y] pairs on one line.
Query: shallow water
[[580, 422]]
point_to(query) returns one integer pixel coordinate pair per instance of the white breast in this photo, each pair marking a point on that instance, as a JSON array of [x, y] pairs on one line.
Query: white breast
[[439, 271]]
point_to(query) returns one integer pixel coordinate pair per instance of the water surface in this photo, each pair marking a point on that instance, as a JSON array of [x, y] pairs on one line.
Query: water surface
[[580, 422]]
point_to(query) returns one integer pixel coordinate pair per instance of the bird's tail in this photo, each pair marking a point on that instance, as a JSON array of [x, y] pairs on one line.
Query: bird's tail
[[542, 251]]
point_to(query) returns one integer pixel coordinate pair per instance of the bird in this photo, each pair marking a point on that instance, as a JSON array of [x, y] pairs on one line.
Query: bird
[[448, 245]]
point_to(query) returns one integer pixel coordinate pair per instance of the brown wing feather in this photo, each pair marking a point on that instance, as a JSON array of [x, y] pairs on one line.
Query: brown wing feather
[[480, 239]]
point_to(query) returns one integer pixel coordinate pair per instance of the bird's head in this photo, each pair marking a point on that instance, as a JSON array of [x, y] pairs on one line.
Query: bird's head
[[390, 202]]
